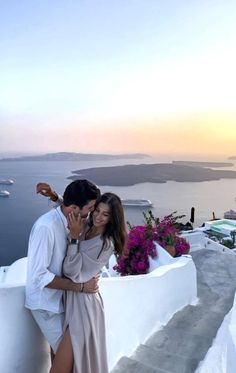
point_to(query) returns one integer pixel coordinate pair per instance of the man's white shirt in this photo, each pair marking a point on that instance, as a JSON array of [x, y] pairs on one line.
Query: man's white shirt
[[46, 252]]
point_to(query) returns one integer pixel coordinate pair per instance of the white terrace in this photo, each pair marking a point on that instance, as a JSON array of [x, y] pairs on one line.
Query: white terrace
[[155, 315]]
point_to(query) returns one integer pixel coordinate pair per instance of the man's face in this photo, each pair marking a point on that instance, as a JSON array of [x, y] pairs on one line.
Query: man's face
[[86, 209]]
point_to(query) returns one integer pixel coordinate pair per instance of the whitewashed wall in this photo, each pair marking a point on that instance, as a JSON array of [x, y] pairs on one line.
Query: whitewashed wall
[[135, 307], [22, 346], [198, 240], [221, 357]]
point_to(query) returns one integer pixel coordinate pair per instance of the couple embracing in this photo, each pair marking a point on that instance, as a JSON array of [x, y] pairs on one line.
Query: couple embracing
[[68, 247]]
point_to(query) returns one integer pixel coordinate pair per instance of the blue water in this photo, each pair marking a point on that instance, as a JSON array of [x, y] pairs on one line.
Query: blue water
[[24, 206]]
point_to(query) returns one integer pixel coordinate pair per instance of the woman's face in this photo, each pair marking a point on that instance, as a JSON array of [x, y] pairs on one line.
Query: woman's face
[[101, 215]]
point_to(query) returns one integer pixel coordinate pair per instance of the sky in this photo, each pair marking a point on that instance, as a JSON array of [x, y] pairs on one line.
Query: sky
[[118, 76]]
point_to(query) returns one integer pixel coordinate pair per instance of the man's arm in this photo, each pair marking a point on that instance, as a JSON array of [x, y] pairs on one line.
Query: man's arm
[[60, 283], [41, 240], [45, 190]]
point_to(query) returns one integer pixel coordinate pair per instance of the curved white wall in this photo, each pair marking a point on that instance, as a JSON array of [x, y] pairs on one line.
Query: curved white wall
[[22, 346], [221, 357], [198, 240], [135, 307]]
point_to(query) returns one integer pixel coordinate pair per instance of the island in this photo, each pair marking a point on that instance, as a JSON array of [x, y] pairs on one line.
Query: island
[[204, 164], [233, 157], [69, 156], [153, 173]]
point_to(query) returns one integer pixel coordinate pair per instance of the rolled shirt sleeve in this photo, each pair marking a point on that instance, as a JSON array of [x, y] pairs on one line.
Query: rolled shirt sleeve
[[58, 202], [46, 252]]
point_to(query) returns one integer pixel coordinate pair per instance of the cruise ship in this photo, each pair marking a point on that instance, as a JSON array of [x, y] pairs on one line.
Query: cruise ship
[[6, 181], [4, 193], [136, 202]]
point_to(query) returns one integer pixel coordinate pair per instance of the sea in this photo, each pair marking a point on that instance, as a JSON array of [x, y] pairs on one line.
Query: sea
[[19, 211]]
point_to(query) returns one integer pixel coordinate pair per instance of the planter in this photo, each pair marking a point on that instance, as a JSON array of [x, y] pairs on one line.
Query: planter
[[162, 258], [171, 250]]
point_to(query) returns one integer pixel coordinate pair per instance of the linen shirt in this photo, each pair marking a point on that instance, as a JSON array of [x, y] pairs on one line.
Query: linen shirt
[[46, 252]]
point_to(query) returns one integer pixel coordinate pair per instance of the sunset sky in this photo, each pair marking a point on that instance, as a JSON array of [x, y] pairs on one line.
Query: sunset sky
[[113, 76]]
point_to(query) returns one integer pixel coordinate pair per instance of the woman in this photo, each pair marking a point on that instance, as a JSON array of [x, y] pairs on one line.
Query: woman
[[83, 345]]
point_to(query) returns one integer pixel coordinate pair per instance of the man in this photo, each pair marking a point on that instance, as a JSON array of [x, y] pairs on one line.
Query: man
[[46, 251]]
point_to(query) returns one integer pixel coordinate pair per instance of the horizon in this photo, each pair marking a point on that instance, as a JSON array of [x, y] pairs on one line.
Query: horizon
[[118, 77], [162, 157]]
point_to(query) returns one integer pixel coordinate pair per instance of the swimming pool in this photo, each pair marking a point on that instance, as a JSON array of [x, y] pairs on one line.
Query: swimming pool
[[225, 226]]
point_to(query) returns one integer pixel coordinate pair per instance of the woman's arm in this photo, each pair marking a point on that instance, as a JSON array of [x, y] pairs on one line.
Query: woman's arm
[[73, 262], [82, 264]]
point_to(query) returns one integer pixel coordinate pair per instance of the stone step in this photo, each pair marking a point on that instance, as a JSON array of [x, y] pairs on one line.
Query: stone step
[[166, 360], [186, 338], [129, 365], [182, 337], [197, 321]]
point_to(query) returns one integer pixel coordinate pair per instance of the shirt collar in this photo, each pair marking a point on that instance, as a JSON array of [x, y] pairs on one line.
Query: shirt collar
[[63, 218]]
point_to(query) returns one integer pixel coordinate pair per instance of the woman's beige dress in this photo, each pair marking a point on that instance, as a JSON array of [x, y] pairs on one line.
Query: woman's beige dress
[[84, 312]]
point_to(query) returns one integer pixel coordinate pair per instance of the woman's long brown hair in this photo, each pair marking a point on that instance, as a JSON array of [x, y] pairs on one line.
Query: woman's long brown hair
[[115, 228]]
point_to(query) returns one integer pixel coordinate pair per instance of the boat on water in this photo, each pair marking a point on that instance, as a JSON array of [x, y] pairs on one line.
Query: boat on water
[[4, 193], [6, 181], [136, 202]]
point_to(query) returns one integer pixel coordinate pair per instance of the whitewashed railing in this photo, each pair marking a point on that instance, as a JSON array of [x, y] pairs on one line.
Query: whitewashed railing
[[135, 307]]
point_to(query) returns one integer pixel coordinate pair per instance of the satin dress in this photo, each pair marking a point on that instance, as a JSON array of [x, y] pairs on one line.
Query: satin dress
[[84, 312]]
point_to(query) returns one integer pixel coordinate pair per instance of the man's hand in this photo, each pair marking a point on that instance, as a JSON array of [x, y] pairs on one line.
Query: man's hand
[[45, 190], [63, 283], [91, 286]]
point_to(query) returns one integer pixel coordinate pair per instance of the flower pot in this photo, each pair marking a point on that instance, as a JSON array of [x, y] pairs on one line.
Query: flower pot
[[171, 250]]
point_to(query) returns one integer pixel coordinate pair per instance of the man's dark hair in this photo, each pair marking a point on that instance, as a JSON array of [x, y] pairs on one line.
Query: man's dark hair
[[80, 192]]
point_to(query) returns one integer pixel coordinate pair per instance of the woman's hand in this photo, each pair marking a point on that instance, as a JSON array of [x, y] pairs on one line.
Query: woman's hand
[[75, 225], [45, 190]]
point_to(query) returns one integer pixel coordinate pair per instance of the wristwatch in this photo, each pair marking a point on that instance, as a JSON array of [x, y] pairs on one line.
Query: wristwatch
[[74, 241]]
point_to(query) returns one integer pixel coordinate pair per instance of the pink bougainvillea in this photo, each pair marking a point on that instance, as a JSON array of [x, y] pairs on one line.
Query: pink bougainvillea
[[140, 244]]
